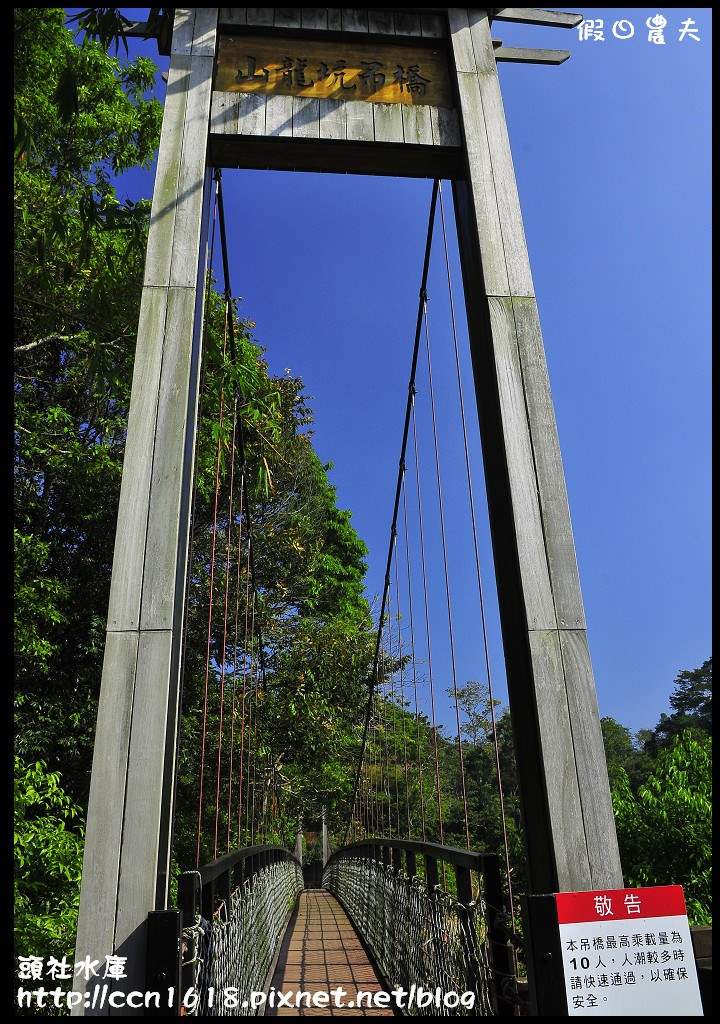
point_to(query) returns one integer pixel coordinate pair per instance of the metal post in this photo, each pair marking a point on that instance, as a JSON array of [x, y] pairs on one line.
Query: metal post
[[325, 839], [164, 959]]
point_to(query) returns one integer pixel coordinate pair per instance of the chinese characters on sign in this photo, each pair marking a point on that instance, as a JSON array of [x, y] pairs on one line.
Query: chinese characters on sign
[[628, 952], [333, 70], [594, 29]]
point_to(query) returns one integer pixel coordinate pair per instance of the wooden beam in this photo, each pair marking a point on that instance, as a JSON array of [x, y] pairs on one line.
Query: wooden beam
[[525, 55], [350, 156], [535, 16]]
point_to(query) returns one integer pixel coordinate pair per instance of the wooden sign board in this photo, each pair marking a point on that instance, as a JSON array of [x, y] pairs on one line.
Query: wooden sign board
[[340, 70]]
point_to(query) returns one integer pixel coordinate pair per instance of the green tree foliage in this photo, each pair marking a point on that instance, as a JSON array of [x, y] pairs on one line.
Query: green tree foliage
[[661, 790], [692, 701], [77, 288], [77, 277], [48, 845], [665, 828], [624, 751]]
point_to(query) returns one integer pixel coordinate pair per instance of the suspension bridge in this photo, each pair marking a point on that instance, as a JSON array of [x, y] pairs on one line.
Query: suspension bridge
[[403, 902]]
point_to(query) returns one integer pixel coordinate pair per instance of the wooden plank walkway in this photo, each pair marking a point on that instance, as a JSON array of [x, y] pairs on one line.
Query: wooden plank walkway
[[322, 951]]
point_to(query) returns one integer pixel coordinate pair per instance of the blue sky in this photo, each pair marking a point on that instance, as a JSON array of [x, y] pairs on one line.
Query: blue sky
[[612, 157]]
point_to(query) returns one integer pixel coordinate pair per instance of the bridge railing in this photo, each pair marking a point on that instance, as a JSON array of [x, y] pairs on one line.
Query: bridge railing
[[421, 932], [234, 914]]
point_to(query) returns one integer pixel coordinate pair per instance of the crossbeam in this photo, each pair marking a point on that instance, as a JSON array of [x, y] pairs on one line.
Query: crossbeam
[[528, 55], [535, 16]]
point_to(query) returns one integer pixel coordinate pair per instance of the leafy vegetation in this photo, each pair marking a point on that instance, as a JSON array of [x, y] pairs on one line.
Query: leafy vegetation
[[665, 826], [48, 847], [77, 287]]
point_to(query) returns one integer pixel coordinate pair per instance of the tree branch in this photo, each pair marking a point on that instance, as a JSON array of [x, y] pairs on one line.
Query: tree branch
[[43, 341]]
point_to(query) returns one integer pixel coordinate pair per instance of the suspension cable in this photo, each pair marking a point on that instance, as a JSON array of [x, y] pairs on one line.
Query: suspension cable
[[401, 662], [486, 645], [235, 668], [191, 545], [418, 733], [427, 633], [210, 603], [372, 683], [446, 578]]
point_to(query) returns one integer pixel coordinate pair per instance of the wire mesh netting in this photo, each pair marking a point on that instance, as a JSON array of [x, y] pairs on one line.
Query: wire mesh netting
[[419, 937], [235, 950]]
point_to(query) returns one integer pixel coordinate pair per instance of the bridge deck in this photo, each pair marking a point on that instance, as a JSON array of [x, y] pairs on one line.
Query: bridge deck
[[322, 952]]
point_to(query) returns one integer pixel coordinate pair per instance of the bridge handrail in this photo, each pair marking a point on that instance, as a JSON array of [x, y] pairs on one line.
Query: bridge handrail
[[201, 888], [234, 913], [450, 854]]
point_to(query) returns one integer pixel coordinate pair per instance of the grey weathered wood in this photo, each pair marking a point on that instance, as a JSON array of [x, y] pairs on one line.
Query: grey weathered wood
[[567, 811], [536, 16], [186, 233], [559, 767], [388, 122], [159, 247], [306, 117], [433, 26], [183, 28], [129, 554], [335, 19], [333, 119], [445, 126], [279, 115], [598, 821], [168, 502], [360, 126], [417, 124], [514, 245], [479, 170], [287, 17], [233, 16], [126, 857], [204, 32], [143, 802], [354, 19], [314, 17], [463, 54], [260, 16], [407, 24], [536, 593], [103, 837], [554, 507], [527, 55], [382, 22], [224, 113], [251, 113]]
